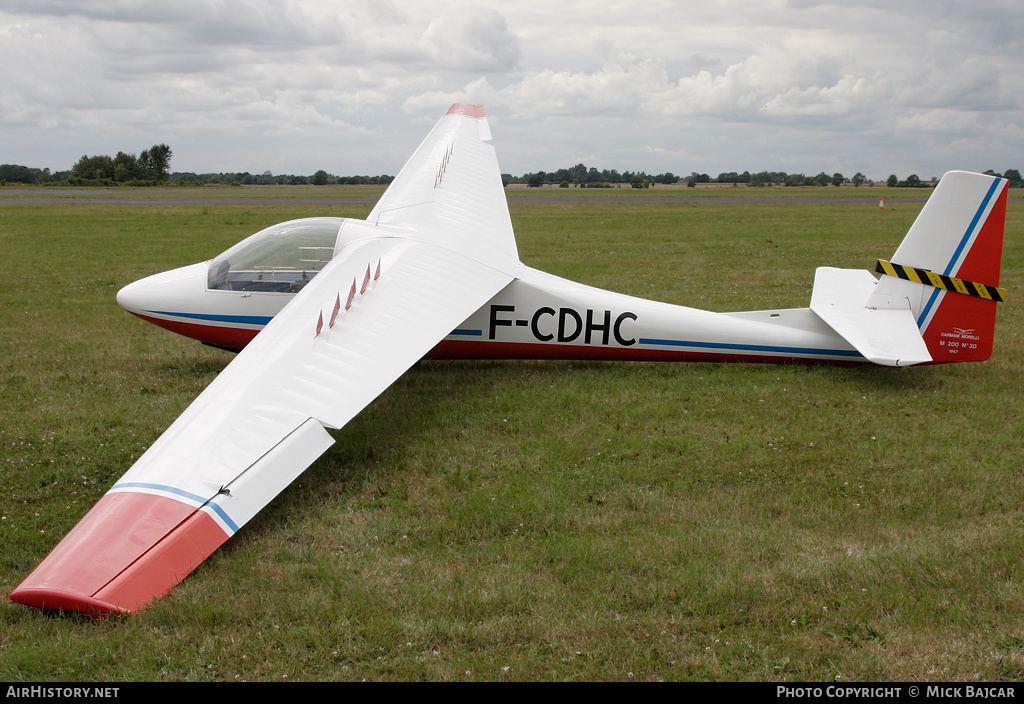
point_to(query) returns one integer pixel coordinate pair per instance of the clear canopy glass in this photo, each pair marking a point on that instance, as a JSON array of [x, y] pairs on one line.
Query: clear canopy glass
[[280, 259]]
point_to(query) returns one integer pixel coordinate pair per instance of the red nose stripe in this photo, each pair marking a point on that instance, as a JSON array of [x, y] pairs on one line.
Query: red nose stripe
[[234, 338]]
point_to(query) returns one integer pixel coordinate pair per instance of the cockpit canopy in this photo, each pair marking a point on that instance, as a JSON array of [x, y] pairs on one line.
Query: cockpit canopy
[[280, 259]]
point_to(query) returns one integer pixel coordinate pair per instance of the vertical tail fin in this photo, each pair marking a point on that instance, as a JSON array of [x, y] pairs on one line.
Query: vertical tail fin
[[947, 268]]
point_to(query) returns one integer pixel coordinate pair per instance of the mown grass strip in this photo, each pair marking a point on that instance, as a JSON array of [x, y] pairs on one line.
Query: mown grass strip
[[538, 520]]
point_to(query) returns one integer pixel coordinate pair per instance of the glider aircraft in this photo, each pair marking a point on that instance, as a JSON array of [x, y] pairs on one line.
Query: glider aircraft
[[328, 312]]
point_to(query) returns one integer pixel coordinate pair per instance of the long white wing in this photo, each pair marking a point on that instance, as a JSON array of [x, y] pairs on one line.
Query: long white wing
[[437, 247]]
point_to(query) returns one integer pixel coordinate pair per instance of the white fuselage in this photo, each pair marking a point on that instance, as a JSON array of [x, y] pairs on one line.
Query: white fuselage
[[537, 316]]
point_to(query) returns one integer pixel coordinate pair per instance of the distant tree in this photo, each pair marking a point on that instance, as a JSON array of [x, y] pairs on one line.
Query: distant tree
[[154, 164], [1013, 176], [858, 179], [535, 181], [893, 181], [755, 181], [913, 181], [93, 168], [12, 173], [125, 167], [837, 179], [320, 178]]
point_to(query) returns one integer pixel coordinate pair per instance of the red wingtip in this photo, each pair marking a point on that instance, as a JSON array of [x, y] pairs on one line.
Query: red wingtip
[[129, 550], [476, 111], [58, 600]]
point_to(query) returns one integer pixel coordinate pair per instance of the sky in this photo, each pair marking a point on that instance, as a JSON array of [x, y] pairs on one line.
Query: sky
[[352, 87]]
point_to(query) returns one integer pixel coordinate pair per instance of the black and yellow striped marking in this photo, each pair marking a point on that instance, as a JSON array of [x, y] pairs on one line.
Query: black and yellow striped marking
[[949, 283]]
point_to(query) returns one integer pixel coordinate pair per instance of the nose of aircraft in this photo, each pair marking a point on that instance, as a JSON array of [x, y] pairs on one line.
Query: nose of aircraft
[[166, 293], [179, 301]]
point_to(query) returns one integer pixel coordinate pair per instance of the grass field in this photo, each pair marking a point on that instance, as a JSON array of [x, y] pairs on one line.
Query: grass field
[[537, 520]]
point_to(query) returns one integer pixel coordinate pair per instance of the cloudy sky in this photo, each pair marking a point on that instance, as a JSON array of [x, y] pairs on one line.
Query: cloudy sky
[[352, 86]]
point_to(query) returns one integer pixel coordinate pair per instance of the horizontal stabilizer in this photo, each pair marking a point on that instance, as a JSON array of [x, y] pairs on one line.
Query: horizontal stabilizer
[[887, 337]]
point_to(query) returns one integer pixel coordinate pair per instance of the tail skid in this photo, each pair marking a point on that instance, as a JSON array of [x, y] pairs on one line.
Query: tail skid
[[936, 301]]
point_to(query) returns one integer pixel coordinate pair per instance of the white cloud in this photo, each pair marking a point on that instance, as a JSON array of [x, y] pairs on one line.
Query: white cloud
[[477, 42], [656, 86]]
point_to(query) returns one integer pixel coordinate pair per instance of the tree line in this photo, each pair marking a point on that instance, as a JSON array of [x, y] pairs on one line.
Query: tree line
[[152, 166], [244, 178], [580, 176]]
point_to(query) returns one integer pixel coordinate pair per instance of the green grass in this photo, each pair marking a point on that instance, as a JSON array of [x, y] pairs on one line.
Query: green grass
[[537, 520]]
